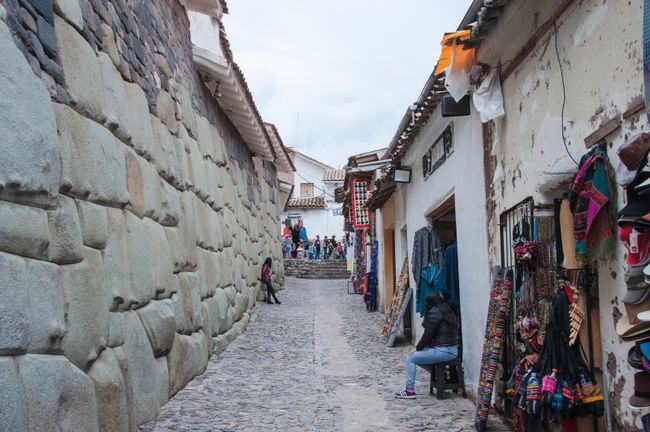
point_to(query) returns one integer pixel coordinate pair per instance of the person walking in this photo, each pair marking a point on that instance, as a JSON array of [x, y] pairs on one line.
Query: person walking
[[317, 246], [438, 343], [333, 246], [326, 247], [266, 280]]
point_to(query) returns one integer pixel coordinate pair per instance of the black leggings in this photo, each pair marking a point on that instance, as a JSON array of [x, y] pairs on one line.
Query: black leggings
[[270, 292]]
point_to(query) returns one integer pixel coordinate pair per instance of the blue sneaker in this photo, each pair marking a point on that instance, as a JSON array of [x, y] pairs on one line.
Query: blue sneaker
[[405, 394]]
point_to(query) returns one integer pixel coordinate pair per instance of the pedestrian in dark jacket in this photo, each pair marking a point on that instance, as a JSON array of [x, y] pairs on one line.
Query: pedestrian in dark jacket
[[438, 343], [266, 280]]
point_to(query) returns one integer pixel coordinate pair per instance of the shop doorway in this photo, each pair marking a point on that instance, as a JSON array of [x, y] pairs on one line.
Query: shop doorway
[[389, 269], [407, 320], [443, 221]]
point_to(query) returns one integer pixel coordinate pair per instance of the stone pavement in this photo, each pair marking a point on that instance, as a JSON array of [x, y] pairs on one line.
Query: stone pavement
[[317, 362]]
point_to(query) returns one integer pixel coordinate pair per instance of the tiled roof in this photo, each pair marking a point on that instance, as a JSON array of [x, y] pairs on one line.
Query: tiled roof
[[334, 175], [313, 202]]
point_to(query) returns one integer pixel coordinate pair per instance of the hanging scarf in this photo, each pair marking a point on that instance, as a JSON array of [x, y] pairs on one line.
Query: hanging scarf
[[593, 200]]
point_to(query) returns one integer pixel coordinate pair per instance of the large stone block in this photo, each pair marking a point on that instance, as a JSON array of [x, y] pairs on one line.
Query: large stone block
[[13, 414], [87, 305], [187, 113], [187, 303], [116, 335], [160, 325], [59, 396], [141, 372], [32, 317], [221, 155], [112, 393], [115, 97], [94, 224], [65, 232], [170, 206], [23, 230], [137, 120], [208, 269], [92, 159], [29, 167], [116, 262], [162, 372], [71, 11], [82, 71], [187, 359], [164, 151], [151, 194], [165, 111], [150, 260], [197, 167], [218, 306], [204, 137]]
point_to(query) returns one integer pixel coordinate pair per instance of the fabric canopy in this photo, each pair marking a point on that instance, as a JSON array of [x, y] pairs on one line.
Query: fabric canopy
[[447, 49]]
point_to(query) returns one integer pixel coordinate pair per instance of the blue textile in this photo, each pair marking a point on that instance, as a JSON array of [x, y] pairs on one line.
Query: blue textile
[[303, 234], [449, 284], [429, 281]]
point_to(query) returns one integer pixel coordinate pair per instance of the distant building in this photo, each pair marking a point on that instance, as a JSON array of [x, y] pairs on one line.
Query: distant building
[[312, 198]]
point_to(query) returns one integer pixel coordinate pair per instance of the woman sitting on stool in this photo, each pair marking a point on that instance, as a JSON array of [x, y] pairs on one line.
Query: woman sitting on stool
[[438, 343]]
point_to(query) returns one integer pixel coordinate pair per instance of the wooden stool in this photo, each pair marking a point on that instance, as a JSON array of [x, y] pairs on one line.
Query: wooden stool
[[447, 376]]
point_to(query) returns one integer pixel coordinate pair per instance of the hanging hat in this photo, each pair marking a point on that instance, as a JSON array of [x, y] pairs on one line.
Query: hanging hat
[[645, 421], [635, 311], [635, 358], [642, 223], [641, 397], [646, 274], [637, 204], [568, 237], [636, 295], [644, 349], [639, 335], [628, 234], [633, 155], [626, 328]]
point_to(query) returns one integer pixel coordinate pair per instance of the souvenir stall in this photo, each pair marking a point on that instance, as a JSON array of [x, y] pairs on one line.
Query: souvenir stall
[[542, 360], [633, 174], [361, 221]]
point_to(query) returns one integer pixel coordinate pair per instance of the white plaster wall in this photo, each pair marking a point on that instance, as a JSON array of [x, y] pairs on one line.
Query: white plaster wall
[[600, 43], [205, 32], [319, 221], [461, 175], [308, 172], [379, 236]]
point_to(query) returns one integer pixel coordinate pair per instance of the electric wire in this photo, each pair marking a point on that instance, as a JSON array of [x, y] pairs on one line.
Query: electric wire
[[559, 62]]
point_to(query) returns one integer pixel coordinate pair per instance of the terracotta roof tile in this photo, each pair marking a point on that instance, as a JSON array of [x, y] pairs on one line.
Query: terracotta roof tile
[[334, 175], [312, 202]]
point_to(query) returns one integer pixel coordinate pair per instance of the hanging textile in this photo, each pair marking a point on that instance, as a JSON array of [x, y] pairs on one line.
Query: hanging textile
[[497, 319], [448, 280], [398, 298], [371, 300], [425, 243], [429, 281], [360, 261], [593, 201]]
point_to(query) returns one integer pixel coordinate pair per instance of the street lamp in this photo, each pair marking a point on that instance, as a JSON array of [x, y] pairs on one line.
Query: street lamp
[[401, 174]]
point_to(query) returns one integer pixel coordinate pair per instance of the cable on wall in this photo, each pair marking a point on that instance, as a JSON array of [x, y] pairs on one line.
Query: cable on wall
[[559, 62]]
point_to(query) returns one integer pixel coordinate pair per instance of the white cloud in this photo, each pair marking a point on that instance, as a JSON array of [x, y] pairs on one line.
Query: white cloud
[[348, 68]]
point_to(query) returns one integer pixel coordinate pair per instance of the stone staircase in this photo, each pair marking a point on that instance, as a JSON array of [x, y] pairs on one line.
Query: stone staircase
[[316, 269]]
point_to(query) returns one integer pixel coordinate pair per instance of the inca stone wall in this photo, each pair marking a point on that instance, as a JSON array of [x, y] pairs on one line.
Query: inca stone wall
[[134, 218]]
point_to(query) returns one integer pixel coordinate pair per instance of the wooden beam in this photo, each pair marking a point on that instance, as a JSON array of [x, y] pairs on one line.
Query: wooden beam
[[532, 42]]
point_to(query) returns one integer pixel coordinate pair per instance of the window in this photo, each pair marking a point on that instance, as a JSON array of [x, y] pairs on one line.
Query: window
[[306, 190], [442, 147]]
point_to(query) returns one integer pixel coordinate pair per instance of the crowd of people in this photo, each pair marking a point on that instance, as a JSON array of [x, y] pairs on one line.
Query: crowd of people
[[296, 244]]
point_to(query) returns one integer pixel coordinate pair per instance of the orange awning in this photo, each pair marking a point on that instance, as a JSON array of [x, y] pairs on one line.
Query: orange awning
[[447, 47]]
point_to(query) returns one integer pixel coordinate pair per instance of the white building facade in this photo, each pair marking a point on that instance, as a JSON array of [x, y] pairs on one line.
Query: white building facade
[[312, 199]]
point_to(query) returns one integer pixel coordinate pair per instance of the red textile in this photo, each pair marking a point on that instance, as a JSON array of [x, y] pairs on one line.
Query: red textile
[[266, 273]]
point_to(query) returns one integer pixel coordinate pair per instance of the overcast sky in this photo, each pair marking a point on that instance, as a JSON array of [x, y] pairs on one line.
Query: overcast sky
[[336, 77]]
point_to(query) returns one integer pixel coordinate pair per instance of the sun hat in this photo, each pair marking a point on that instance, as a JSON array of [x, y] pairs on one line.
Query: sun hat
[[643, 316], [625, 328], [633, 155], [646, 274], [635, 311], [644, 349], [641, 396]]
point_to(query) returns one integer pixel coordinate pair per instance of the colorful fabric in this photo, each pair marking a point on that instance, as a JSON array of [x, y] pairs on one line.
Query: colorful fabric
[[592, 198], [266, 273]]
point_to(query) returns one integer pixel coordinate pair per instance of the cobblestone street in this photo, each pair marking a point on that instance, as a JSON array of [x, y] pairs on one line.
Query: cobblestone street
[[315, 363]]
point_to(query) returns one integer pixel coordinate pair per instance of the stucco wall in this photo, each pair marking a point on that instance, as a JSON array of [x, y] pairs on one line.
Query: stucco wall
[[461, 175], [134, 218], [600, 44], [319, 221]]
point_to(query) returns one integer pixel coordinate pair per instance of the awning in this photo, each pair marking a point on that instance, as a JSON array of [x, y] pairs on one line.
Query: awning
[[447, 48], [226, 83]]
